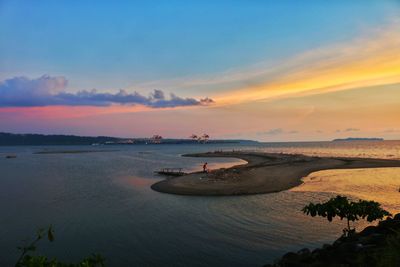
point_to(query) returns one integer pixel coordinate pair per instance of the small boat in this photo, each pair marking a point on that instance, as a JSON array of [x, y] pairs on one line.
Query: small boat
[[11, 156], [171, 172]]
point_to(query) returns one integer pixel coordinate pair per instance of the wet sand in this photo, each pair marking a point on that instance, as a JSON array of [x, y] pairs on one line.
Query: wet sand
[[264, 173]]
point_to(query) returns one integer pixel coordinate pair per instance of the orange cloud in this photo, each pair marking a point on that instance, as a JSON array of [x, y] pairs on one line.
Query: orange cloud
[[366, 61]]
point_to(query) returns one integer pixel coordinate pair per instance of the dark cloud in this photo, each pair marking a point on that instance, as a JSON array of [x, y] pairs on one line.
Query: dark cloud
[[206, 101], [49, 91], [348, 130], [158, 94]]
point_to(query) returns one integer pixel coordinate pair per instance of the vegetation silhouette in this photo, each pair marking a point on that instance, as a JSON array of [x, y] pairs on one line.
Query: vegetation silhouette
[[28, 260], [375, 246], [351, 211]]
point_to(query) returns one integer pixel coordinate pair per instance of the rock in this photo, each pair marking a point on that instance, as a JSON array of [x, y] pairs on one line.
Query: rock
[[337, 242], [316, 251], [326, 246], [304, 251], [359, 247], [397, 217], [368, 230], [347, 247], [374, 238], [389, 223], [290, 256]]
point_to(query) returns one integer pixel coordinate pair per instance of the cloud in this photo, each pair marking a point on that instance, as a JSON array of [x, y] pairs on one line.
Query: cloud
[[158, 94], [348, 130], [207, 101], [50, 91], [352, 130], [22, 91], [274, 131], [368, 60], [277, 131], [392, 131]]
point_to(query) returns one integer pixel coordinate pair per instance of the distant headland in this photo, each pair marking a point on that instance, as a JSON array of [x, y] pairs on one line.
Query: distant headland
[[359, 139], [11, 139]]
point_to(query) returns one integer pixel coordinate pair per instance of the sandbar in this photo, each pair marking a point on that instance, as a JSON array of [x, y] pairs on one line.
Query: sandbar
[[263, 173]]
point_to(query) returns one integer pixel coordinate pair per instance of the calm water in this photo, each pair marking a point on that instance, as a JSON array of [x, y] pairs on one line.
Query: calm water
[[102, 202]]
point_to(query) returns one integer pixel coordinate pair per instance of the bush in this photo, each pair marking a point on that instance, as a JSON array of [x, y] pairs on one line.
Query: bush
[[351, 211], [27, 260]]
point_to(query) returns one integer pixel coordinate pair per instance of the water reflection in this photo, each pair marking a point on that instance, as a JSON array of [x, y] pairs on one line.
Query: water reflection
[[102, 202], [380, 184]]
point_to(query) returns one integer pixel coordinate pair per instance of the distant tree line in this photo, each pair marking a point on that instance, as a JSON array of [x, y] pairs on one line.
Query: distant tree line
[[9, 139]]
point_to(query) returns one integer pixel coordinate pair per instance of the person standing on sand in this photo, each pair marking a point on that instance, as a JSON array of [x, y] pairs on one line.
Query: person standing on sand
[[205, 167]]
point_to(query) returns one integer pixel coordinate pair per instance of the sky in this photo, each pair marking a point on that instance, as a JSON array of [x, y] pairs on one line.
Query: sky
[[262, 70]]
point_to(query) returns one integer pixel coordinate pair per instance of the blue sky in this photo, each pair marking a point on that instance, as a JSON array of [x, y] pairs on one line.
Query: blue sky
[[110, 45], [104, 67]]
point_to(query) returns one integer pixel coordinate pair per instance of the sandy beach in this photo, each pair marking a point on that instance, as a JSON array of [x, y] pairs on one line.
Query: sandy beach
[[264, 173]]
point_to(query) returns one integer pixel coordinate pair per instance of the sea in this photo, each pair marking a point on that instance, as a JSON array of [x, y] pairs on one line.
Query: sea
[[101, 202]]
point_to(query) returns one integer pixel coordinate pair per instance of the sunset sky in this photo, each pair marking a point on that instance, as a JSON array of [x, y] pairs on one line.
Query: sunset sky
[[263, 70]]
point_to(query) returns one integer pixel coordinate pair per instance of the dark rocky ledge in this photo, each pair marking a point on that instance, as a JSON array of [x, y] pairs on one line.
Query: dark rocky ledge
[[374, 246]]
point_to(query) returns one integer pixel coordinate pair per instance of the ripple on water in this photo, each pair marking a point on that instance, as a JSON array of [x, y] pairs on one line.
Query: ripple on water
[[378, 184], [103, 203]]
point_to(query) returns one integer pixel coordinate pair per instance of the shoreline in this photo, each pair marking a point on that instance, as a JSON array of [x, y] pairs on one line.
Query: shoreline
[[263, 173]]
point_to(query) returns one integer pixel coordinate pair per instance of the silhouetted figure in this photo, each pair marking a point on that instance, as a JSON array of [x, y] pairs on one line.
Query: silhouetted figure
[[205, 167]]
